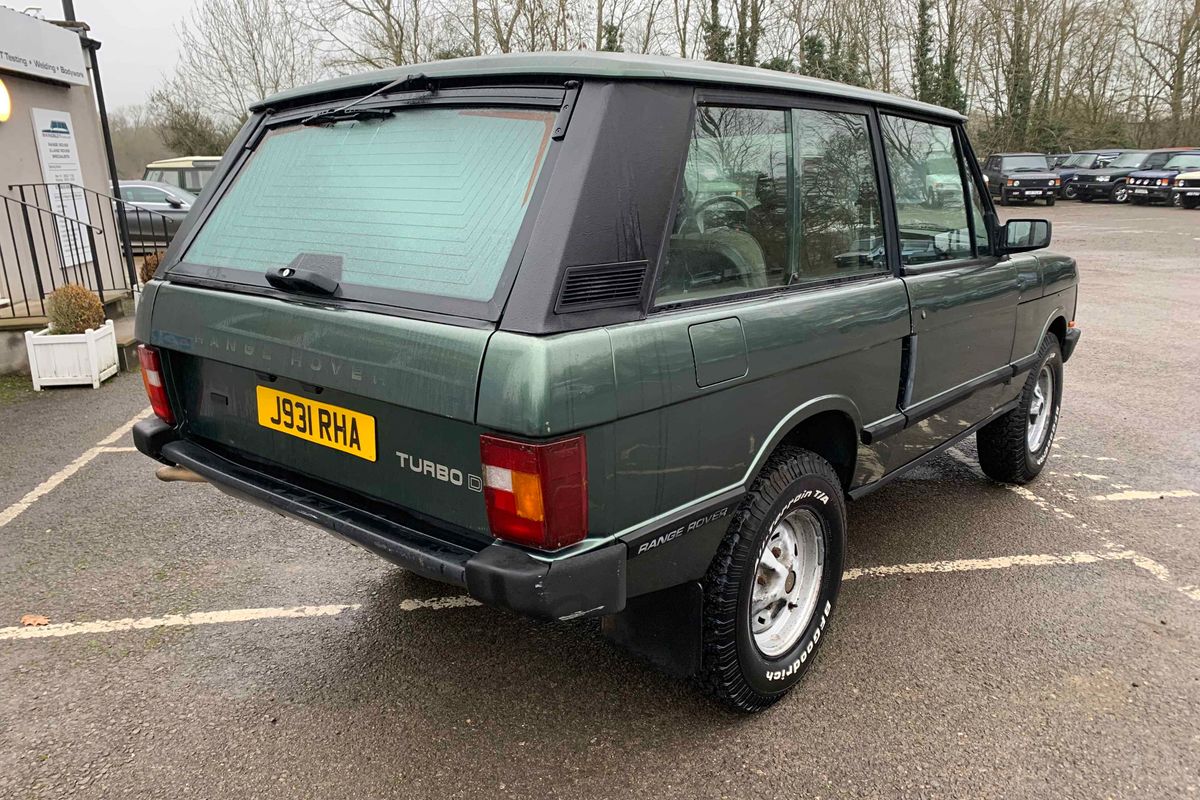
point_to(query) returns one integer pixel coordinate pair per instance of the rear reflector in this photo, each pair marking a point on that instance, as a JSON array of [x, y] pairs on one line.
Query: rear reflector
[[536, 494], [152, 379]]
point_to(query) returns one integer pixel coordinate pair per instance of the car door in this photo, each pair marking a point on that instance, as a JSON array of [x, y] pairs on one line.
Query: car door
[[992, 170], [963, 297], [161, 216]]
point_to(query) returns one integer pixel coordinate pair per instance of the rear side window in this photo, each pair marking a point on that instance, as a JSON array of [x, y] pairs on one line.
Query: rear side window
[[772, 197], [930, 202], [425, 202]]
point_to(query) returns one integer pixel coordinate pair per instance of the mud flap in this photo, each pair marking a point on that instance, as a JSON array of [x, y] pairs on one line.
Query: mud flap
[[663, 627]]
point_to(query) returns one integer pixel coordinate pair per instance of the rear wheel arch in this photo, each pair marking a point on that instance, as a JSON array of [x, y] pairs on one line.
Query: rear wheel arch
[[833, 434]]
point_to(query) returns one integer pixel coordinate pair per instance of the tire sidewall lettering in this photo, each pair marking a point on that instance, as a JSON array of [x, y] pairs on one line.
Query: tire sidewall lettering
[[773, 676]]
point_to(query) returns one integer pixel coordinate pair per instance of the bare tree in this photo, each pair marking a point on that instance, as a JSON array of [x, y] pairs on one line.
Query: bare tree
[[235, 52]]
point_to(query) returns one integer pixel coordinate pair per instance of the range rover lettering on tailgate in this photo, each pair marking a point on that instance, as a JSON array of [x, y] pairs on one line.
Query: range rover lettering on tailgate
[[619, 336]]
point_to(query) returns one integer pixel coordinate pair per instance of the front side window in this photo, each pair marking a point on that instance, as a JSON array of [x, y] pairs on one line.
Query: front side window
[[930, 202], [770, 198], [840, 230], [426, 202]]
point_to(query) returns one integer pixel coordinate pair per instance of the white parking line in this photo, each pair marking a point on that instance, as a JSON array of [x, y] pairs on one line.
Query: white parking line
[[59, 630], [1140, 495], [48, 485], [1143, 562], [999, 562], [218, 617]]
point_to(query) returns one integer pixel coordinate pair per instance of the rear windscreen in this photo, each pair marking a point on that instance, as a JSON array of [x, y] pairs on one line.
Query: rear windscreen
[[427, 201]]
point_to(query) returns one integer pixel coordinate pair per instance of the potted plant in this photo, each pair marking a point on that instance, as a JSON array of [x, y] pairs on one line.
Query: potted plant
[[78, 347]]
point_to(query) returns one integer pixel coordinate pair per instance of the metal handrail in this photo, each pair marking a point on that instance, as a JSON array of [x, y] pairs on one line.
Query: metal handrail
[[51, 212], [124, 240]]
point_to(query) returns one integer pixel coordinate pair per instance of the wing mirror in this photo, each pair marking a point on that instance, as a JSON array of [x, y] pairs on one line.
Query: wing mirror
[[1023, 235], [174, 202]]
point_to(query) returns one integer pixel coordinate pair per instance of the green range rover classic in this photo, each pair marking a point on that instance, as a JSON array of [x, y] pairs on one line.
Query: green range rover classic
[[603, 336]]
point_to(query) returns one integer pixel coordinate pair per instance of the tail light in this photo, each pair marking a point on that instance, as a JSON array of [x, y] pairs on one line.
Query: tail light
[[152, 379], [536, 494]]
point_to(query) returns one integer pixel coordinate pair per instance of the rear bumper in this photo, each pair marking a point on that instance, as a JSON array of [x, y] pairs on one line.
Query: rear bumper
[[584, 585]]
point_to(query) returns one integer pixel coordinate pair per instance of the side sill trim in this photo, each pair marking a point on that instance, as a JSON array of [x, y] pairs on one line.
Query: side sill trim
[[940, 402], [862, 491], [883, 428]]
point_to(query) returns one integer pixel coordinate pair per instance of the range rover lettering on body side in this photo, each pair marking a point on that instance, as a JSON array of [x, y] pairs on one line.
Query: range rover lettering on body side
[[682, 530]]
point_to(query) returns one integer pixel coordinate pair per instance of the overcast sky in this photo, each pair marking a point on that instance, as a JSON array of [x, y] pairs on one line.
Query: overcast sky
[[139, 44]]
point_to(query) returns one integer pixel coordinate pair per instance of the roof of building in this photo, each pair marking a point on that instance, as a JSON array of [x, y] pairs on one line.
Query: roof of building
[[615, 66]]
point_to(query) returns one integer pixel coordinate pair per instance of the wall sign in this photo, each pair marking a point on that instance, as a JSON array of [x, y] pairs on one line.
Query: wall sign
[[55, 135], [34, 47]]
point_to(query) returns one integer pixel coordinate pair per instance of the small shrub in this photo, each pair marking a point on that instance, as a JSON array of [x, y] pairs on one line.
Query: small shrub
[[150, 263], [73, 309]]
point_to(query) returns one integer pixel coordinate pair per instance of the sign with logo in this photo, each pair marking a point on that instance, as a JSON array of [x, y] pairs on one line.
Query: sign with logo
[[34, 47], [55, 137]]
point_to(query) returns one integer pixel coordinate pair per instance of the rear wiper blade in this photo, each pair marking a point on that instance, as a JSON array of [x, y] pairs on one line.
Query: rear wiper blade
[[340, 115], [332, 115]]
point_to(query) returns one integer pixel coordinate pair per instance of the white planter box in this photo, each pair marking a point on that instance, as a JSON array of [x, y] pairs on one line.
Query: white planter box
[[72, 358]]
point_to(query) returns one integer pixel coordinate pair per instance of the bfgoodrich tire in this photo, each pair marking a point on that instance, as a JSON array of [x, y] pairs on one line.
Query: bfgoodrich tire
[[1014, 448], [772, 586]]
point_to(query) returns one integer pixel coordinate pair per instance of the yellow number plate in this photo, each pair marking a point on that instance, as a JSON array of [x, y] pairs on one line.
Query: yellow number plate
[[320, 423]]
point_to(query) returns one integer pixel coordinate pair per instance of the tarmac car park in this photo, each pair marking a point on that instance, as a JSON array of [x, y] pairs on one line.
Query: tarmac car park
[[543, 367]]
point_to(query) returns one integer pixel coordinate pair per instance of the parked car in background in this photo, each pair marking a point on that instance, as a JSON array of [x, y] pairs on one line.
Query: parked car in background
[[502, 390], [1187, 189], [1056, 159], [1110, 183], [1021, 176], [153, 212], [1084, 159], [187, 172], [1155, 185]]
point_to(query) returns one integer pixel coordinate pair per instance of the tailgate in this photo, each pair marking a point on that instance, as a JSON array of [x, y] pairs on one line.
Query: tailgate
[[371, 404]]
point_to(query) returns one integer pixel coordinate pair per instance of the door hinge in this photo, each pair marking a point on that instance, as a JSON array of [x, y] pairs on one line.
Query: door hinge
[[568, 107]]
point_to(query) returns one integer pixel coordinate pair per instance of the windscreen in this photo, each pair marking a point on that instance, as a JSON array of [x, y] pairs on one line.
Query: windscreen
[[1188, 162], [426, 201], [1127, 160], [1026, 163]]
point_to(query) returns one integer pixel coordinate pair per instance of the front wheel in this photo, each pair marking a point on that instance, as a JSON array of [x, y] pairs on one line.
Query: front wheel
[[1069, 192], [1049, 201], [772, 586], [1014, 448], [1120, 193]]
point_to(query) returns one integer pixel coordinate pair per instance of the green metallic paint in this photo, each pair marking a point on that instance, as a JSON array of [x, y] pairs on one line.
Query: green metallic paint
[[409, 363], [719, 350], [547, 386]]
